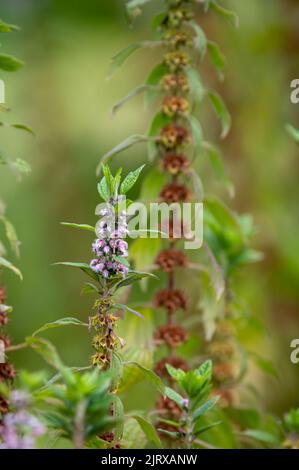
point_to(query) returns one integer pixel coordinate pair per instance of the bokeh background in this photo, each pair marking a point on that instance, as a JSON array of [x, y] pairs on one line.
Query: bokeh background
[[64, 95]]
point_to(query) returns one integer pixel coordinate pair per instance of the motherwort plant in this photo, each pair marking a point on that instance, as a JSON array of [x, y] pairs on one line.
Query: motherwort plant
[[110, 271], [176, 143]]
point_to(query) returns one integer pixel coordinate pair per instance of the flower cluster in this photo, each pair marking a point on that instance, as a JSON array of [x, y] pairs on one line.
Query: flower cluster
[[20, 429], [111, 250]]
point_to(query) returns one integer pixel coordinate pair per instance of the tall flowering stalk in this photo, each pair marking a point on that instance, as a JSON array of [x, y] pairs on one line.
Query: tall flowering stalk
[[175, 141], [110, 271]]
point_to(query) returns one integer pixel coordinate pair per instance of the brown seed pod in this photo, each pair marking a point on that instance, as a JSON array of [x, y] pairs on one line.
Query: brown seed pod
[[172, 335], [168, 260], [171, 300]]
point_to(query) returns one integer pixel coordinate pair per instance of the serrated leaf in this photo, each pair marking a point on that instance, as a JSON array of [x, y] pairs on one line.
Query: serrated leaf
[[149, 431], [10, 63], [221, 111], [228, 15], [58, 323], [130, 180], [217, 58], [7, 264], [103, 189]]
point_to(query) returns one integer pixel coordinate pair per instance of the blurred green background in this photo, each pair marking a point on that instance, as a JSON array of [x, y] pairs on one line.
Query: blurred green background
[[64, 95]]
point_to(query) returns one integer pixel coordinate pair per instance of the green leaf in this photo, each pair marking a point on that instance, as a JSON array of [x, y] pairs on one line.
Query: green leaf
[[215, 157], [61, 322], [203, 409], [46, 350], [177, 374], [10, 63], [196, 134], [131, 310], [87, 227], [221, 111], [127, 143], [197, 90], [108, 177], [149, 431], [260, 436], [207, 428], [174, 396], [200, 40], [137, 91], [152, 83], [103, 189], [228, 15], [11, 235], [133, 276], [83, 266], [119, 59], [217, 58], [148, 374], [23, 127], [7, 28], [7, 264], [293, 132], [119, 416], [19, 166], [130, 180], [173, 435]]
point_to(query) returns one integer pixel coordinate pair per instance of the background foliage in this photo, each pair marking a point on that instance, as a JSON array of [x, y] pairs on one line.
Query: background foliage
[[63, 95]]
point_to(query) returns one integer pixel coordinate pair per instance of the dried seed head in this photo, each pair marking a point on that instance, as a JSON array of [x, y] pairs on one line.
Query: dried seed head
[[172, 335], [173, 136], [171, 300], [168, 260], [175, 193], [175, 163]]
